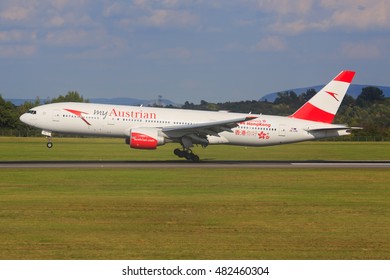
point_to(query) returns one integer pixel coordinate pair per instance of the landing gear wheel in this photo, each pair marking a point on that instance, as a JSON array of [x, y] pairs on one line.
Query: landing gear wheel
[[49, 143], [194, 158], [187, 154], [180, 153], [177, 152]]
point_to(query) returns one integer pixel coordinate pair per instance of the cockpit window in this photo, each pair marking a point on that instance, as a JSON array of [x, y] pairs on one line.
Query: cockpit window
[[32, 112]]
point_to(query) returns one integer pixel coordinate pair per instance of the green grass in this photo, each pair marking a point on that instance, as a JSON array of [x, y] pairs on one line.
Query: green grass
[[193, 213], [116, 149]]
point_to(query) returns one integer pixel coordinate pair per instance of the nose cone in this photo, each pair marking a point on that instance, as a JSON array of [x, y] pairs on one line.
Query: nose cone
[[23, 118], [27, 119]]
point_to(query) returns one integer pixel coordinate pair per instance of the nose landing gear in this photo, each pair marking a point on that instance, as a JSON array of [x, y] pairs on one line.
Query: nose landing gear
[[48, 136], [49, 143]]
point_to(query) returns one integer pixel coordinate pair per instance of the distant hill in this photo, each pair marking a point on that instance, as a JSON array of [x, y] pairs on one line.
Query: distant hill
[[134, 101], [353, 90], [17, 101], [118, 101], [115, 101]]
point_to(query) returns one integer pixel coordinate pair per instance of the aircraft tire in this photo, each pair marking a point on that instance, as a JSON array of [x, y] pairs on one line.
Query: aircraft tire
[[180, 153], [195, 158], [188, 156], [177, 152]]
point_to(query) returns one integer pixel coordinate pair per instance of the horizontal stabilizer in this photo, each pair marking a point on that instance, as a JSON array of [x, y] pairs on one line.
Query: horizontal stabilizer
[[333, 128]]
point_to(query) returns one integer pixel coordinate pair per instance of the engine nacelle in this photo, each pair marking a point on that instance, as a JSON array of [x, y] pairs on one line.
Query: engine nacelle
[[147, 138]]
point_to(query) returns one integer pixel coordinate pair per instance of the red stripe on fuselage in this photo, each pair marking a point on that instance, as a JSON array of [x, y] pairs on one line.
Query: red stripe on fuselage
[[79, 114], [312, 113]]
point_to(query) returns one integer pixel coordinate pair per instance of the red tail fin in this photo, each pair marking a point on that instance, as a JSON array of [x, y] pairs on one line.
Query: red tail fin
[[323, 106]]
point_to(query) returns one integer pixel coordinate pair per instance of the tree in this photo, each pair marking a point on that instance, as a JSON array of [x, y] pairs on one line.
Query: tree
[[348, 101], [370, 95], [188, 105], [8, 115], [71, 96], [305, 96], [288, 99]]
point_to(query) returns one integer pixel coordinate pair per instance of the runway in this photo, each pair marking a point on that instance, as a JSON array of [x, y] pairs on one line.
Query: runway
[[201, 164]]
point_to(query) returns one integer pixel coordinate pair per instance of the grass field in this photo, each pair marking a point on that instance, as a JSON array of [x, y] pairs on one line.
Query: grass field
[[193, 213], [116, 149]]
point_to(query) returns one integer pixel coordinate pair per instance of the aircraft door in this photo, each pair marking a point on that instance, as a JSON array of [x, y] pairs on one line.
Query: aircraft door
[[282, 130], [55, 115], [110, 124], [110, 120]]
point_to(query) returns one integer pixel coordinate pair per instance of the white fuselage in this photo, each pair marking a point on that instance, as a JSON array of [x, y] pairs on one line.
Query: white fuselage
[[118, 121], [148, 127]]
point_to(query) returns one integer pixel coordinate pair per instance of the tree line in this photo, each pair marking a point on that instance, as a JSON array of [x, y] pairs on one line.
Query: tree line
[[370, 110], [10, 125]]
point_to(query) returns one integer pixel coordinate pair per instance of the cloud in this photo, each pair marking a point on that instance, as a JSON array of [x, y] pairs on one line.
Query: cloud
[[88, 25], [95, 43], [68, 20], [62, 4], [168, 18], [151, 13], [17, 36], [161, 3], [18, 43], [360, 14], [294, 27], [285, 7], [17, 51], [36, 12], [362, 50], [15, 14], [70, 38], [295, 17], [112, 48], [266, 44], [170, 53], [56, 25], [270, 43]]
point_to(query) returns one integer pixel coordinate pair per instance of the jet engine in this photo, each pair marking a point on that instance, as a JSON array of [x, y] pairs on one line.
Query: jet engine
[[147, 138]]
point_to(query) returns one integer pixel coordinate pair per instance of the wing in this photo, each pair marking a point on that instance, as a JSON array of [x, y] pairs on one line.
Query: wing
[[197, 133]]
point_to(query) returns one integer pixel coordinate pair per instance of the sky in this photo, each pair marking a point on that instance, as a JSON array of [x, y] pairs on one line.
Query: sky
[[188, 50]]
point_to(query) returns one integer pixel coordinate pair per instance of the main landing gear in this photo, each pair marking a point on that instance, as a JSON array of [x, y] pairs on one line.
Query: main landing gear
[[187, 154]]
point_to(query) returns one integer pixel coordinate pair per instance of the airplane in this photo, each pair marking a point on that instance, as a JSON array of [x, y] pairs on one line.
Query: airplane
[[148, 127]]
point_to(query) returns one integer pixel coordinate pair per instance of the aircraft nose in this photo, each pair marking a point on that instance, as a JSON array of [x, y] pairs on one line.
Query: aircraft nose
[[26, 118], [23, 118]]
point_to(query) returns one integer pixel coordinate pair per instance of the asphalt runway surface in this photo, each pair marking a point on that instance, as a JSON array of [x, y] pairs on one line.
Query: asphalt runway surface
[[201, 164]]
